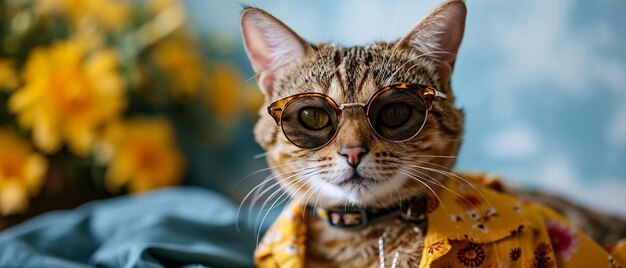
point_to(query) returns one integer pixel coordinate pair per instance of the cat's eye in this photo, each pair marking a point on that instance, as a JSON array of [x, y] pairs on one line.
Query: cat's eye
[[395, 113], [309, 122], [313, 118]]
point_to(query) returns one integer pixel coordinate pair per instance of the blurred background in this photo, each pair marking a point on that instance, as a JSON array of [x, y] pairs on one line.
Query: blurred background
[[104, 98]]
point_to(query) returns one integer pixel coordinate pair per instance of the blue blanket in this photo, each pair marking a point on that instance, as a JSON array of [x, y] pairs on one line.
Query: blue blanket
[[182, 227]]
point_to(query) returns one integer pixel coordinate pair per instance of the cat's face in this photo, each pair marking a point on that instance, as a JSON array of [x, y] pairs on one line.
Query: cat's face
[[357, 167]]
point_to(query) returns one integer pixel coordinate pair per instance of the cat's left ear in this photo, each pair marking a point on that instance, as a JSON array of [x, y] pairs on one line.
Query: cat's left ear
[[439, 35]]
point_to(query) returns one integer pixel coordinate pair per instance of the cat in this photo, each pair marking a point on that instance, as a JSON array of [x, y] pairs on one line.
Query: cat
[[343, 157]]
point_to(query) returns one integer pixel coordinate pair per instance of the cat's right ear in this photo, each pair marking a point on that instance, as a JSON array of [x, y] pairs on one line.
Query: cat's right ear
[[270, 44]]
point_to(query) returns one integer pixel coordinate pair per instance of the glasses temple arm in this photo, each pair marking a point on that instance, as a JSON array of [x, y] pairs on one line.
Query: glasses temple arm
[[440, 94]]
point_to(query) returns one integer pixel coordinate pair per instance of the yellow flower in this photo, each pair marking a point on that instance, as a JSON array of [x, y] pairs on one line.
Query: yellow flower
[[110, 13], [228, 95], [8, 77], [160, 5], [142, 155], [21, 173], [224, 93], [68, 96], [182, 64]]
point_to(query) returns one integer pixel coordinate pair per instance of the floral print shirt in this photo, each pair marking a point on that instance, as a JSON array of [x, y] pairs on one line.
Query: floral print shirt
[[472, 225]]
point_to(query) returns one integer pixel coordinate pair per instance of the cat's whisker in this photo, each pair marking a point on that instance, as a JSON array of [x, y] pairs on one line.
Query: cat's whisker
[[454, 176], [389, 191], [438, 183], [264, 169], [431, 180], [253, 190], [258, 195], [316, 186], [258, 236], [409, 69], [290, 179], [443, 139], [316, 200], [288, 183], [419, 179], [274, 188], [289, 172], [399, 194], [305, 194], [395, 19], [293, 174], [251, 206], [345, 204], [278, 67], [427, 186], [408, 198], [308, 177], [287, 179], [257, 156], [268, 178], [392, 76], [441, 64], [435, 156], [426, 162]]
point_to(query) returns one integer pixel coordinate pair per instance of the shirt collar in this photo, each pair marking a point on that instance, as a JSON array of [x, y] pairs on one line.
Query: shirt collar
[[473, 208]]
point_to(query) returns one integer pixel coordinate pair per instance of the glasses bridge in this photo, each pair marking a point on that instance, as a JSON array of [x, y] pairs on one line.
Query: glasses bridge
[[351, 105]]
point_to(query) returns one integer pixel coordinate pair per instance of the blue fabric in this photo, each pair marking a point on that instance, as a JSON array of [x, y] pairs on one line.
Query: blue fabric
[[182, 227]]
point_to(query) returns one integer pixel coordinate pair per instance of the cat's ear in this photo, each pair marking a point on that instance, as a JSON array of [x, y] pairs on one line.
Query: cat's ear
[[439, 35], [270, 44]]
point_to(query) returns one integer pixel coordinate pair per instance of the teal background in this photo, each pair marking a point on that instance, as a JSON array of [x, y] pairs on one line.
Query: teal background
[[543, 85]]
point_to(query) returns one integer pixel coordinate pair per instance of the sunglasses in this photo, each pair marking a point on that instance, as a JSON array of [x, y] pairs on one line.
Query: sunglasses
[[396, 113]]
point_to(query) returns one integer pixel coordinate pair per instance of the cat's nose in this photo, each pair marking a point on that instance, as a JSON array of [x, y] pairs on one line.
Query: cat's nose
[[353, 154]]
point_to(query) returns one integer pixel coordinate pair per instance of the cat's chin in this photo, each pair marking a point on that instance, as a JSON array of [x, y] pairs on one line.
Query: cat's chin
[[356, 181], [354, 191], [367, 192]]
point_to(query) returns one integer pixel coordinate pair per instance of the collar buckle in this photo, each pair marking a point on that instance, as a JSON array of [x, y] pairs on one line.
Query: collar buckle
[[348, 219]]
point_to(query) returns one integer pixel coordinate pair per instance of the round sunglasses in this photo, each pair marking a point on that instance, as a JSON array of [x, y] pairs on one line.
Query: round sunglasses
[[396, 113]]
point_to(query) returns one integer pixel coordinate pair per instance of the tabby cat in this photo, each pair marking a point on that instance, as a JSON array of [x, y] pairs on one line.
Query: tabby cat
[[369, 127]]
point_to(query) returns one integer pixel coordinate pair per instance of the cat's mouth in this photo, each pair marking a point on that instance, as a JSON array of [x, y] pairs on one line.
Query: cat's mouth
[[356, 180]]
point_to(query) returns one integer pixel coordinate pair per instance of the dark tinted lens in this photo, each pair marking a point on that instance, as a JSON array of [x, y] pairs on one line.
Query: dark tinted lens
[[309, 122], [397, 114]]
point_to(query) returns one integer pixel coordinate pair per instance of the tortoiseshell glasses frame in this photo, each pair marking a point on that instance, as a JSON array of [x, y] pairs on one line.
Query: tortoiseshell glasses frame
[[427, 94]]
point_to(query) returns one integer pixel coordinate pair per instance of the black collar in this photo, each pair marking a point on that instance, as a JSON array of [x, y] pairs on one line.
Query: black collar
[[413, 210]]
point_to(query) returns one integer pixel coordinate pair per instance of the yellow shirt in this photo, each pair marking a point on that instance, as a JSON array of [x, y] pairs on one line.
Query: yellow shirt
[[468, 228]]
